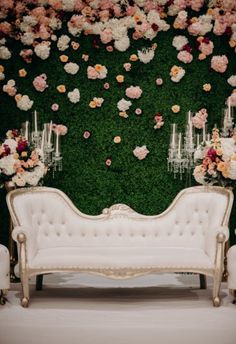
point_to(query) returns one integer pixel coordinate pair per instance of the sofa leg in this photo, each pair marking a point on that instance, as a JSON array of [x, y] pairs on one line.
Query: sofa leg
[[203, 281], [25, 289], [39, 282]]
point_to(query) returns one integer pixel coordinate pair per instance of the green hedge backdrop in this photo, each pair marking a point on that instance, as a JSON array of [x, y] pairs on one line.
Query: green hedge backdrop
[[144, 185]]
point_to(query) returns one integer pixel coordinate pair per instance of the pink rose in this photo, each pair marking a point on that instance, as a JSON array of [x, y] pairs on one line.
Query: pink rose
[[138, 111], [140, 152], [133, 92], [219, 63], [55, 107], [127, 66], [109, 48], [60, 129], [85, 57], [40, 83], [185, 56], [91, 73], [206, 48], [106, 86], [86, 134], [106, 36], [108, 162], [159, 81]]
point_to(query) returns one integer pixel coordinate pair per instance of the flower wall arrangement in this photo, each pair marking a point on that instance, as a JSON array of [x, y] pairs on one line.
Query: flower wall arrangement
[[116, 69], [20, 164]]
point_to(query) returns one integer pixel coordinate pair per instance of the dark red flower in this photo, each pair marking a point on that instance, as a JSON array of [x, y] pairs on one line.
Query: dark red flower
[[187, 48], [7, 150], [212, 154], [155, 27], [22, 146]]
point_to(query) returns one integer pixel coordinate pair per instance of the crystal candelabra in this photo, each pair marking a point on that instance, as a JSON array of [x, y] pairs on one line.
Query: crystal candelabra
[[182, 148], [46, 141]]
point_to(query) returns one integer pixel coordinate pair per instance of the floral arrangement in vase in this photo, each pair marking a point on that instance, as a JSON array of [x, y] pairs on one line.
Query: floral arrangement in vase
[[20, 164], [216, 161]]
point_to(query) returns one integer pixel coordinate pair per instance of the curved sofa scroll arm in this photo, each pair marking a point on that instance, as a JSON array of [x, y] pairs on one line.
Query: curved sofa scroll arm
[[212, 236], [20, 230], [23, 234]]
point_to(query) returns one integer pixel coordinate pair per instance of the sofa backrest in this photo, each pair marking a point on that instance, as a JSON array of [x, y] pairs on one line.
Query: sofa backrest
[[56, 222]]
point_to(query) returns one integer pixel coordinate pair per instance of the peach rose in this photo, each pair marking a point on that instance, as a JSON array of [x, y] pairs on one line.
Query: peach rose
[[22, 73], [92, 104], [175, 108], [117, 139], [120, 78], [206, 87], [61, 88], [64, 58], [133, 58]]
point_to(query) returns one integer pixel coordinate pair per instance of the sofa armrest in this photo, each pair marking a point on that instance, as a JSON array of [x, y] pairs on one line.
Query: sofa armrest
[[212, 236], [24, 234]]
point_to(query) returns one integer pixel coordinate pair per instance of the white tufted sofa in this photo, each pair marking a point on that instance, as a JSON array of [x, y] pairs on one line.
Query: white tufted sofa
[[54, 236], [231, 269], [4, 272]]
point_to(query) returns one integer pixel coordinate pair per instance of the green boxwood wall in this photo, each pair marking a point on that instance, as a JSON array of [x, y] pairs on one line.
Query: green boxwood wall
[[144, 185]]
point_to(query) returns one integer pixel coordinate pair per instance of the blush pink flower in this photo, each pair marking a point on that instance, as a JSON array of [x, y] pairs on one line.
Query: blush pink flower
[[159, 81], [55, 107], [108, 162], [140, 152], [86, 134], [138, 111], [60, 129], [133, 92], [206, 48], [219, 63], [185, 56], [40, 83], [106, 86], [109, 48], [127, 66], [85, 57], [106, 36], [92, 73]]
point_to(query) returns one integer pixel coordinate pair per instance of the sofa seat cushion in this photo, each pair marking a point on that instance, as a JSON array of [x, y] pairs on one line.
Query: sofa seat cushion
[[121, 258]]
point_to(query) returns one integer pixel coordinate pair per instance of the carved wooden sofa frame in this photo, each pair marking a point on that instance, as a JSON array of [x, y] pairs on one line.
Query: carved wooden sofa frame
[[54, 236]]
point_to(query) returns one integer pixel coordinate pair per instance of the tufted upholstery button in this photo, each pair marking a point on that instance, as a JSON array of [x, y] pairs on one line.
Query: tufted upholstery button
[[95, 235], [58, 233], [108, 234], [180, 233], [83, 234], [168, 233], [120, 234], [70, 234], [46, 233], [156, 234], [192, 233], [176, 222], [143, 235]]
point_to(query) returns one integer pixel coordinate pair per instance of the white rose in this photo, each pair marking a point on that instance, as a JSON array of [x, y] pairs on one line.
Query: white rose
[[74, 96], [27, 38], [179, 42], [122, 44], [12, 144], [63, 42], [25, 103], [5, 53], [7, 165], [124, 105], [19, 180], [232, 81], [71, 68], [42, 50]]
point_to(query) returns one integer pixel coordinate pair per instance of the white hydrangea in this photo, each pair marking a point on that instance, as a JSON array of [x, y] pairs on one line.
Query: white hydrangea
[[24, 103], [179, 42], [179, 76], [122, 44], [74, 96], [33, 178], [42, 50], [5, 53], [6, 164], [63, 42], [124, 105], [232, 81], [71, 68], [27, 38], [118, 29], [12, 144], [19, 180]]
